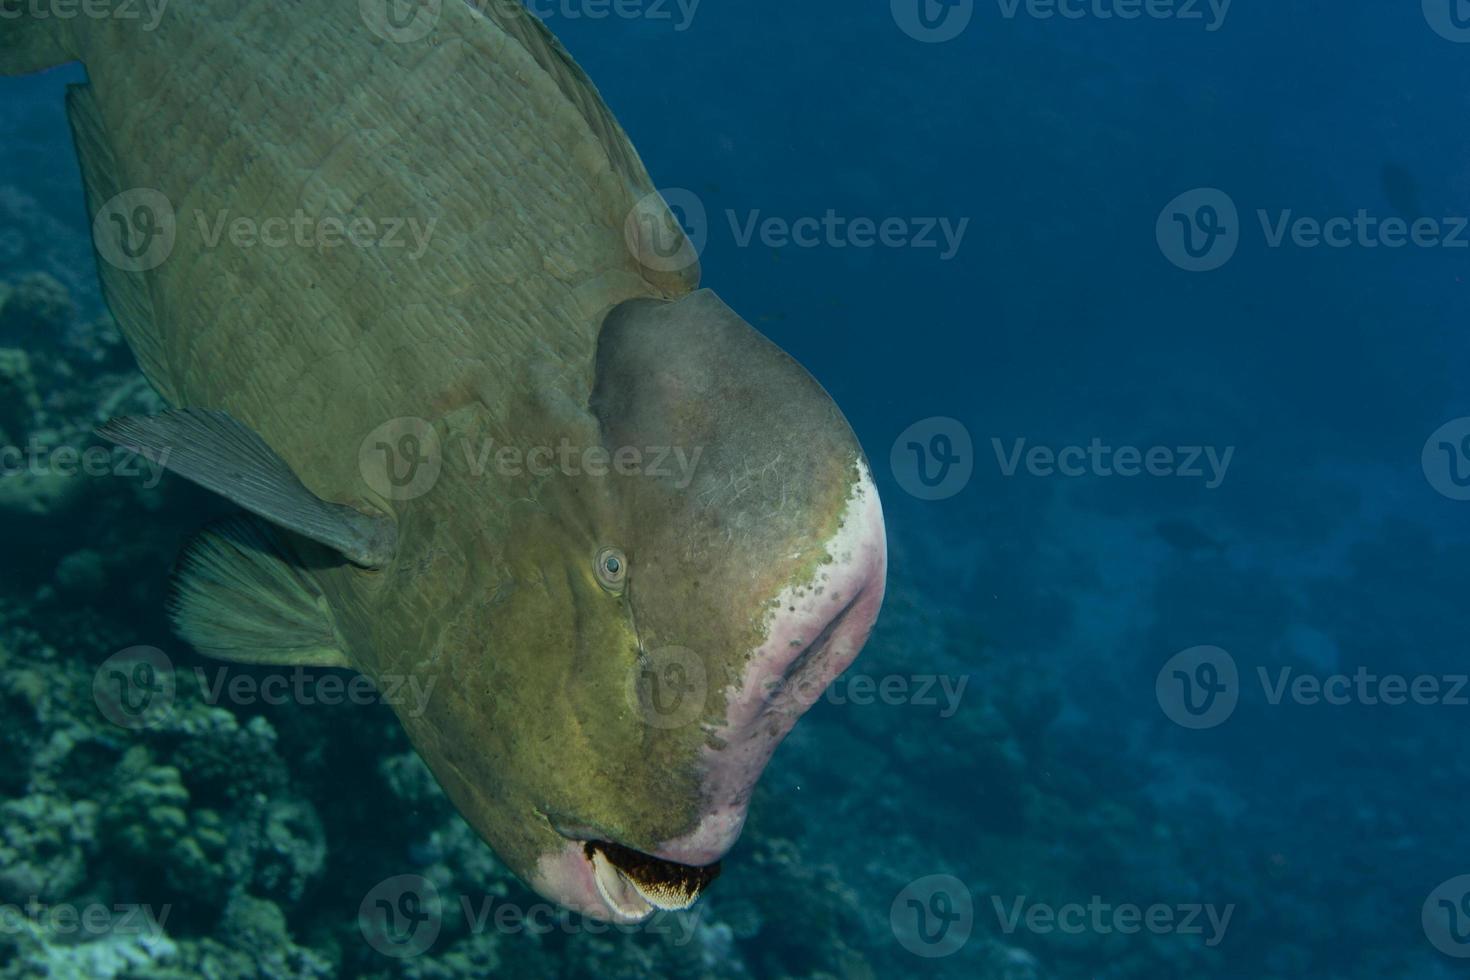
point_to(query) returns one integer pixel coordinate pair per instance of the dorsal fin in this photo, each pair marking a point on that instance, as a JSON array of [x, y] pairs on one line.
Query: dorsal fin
[[31, 43], [658, 232], [557, 62]]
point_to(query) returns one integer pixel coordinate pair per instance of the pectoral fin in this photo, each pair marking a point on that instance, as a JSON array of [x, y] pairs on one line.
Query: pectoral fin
[[227, 457], [241, 594]]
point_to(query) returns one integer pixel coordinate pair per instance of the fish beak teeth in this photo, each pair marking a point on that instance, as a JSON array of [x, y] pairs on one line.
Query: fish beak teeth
[[618, 891], [634, 884]]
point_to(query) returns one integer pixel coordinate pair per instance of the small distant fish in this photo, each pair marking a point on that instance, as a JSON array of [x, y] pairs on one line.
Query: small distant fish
[[1187, 537], [1402, 190]]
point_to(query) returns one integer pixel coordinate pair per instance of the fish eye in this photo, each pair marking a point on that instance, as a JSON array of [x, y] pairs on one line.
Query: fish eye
[[612, 569]]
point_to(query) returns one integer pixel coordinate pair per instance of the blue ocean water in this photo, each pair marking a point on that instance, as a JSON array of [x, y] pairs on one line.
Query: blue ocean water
[[1150, 319]]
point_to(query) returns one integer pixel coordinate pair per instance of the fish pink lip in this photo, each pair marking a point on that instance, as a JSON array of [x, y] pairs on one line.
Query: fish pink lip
[[814, 635], [583, 834]]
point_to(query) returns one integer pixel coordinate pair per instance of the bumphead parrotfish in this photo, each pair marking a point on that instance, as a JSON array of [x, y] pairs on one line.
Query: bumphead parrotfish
[[417, 308]]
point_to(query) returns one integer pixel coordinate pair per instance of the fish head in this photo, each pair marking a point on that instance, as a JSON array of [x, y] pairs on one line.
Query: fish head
[[673, 618]]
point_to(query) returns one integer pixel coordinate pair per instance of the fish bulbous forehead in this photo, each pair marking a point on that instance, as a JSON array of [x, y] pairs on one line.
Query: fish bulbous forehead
[[769, 463]]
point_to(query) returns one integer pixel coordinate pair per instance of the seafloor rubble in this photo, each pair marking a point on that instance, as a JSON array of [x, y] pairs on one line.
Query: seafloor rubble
[[228, 836]]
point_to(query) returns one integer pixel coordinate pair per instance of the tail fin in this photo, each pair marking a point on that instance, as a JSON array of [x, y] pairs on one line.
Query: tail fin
[[30, 43]]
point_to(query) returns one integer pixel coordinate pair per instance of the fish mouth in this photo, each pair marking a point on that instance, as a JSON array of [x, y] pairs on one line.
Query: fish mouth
[[631, 884], [634, 884]]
